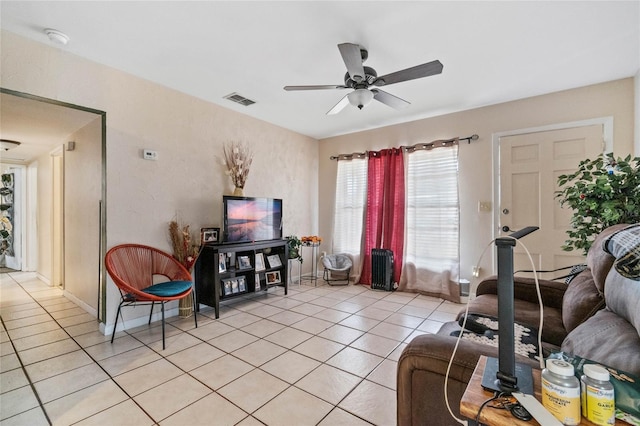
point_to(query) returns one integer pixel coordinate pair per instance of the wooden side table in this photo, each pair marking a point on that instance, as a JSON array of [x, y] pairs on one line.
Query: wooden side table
[[475, 395]]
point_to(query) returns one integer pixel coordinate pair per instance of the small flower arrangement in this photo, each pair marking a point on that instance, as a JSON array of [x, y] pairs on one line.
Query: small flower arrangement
[[602, 192], [238, 159], [184, 252]]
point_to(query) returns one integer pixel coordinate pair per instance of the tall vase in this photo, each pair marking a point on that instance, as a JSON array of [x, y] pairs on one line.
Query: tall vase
[[238, 192]]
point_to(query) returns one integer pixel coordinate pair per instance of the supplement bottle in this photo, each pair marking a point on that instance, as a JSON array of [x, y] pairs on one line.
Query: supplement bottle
[[561, 391], [598, 403]]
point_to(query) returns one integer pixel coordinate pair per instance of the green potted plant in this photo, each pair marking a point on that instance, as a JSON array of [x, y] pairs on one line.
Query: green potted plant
[[602, 192], [294, 244]]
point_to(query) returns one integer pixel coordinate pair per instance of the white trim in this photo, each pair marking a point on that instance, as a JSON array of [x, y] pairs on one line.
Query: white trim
[[44, 279], [30, 262], [90, 310], [607, 137]]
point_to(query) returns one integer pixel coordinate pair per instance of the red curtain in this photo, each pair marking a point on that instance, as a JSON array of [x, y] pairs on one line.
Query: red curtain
[[384, 222]]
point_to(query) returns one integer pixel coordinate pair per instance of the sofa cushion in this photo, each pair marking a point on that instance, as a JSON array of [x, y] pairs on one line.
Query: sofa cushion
[[581, 300], [623, 298], [608, 339], [599, 260]]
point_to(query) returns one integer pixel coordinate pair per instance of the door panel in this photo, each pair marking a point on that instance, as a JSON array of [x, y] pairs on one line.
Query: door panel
[[529, 168]]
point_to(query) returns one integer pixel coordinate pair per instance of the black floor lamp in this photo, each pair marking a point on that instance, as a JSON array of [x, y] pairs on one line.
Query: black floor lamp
[[503, 374]]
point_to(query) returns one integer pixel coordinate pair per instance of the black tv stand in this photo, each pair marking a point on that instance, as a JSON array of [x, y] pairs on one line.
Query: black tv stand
[[210, 277]]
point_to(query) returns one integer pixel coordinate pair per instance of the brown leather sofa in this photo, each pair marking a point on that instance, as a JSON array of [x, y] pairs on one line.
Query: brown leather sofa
[[595, 316]]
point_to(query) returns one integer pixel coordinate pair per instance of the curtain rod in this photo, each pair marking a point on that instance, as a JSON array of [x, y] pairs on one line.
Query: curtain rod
[[411, 148]]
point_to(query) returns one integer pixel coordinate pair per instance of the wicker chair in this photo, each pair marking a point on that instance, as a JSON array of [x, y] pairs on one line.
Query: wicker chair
[[133, 268]]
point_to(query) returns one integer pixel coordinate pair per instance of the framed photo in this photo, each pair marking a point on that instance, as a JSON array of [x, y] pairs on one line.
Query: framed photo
[[257, 288], [260, 262], [274, 261], [222, 263], [273, 277], [244, 262], [226, 285], [234, 286], [242, 284], [209, 235]]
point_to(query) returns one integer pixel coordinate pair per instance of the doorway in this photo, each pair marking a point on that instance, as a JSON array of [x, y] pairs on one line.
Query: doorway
[[529, 163], [68, 191]]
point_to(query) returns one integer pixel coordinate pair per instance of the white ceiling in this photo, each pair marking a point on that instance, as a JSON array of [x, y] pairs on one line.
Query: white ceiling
[[492, 51], [38, 126]]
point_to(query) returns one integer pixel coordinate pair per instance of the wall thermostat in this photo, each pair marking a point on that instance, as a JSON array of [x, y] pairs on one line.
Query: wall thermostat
[[147, 154]]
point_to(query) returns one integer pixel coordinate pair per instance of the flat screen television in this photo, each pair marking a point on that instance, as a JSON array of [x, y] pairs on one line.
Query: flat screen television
[[251, 219]]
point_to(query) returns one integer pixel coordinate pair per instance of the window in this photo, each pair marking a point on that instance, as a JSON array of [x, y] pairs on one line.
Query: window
[[432, 215], [351, 190]]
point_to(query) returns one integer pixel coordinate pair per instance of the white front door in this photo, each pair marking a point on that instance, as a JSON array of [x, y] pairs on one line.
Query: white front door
[[529, 168]]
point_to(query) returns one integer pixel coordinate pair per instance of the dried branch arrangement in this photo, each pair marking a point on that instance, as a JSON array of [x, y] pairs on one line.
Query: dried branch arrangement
[[238, 159]]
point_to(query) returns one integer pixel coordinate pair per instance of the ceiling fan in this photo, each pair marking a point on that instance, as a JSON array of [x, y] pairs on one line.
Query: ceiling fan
[[360, 78]]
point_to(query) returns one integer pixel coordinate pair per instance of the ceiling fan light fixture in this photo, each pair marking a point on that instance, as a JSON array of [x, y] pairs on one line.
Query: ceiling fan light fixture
[[7, 144], [360, 98]]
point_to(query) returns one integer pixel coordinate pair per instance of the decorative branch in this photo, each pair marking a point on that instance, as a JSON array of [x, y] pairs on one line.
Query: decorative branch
[[238, 158], [184, 252]]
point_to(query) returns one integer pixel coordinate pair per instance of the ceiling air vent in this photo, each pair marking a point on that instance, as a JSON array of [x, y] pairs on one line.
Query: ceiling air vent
[[239, 99]]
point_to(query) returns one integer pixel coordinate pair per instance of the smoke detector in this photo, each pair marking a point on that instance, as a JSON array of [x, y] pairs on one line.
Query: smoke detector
[[56, 36]]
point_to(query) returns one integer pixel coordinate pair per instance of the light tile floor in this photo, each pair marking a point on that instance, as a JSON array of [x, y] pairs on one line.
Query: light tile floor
[[319, 356]]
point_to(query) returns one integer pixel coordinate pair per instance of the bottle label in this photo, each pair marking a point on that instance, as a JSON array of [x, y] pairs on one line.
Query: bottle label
[[562, 402], [600, 406]]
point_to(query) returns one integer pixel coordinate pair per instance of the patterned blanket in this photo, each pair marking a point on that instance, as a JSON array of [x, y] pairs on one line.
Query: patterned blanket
[[624, 245], [484, 330]]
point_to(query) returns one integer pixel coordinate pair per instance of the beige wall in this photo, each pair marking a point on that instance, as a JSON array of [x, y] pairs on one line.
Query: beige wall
[[609, 99], [43, 218], [188, 179], [83, 190]]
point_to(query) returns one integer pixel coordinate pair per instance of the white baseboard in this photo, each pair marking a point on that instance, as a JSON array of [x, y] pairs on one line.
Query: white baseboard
[[80, 303], [107, 329], [44, 279]]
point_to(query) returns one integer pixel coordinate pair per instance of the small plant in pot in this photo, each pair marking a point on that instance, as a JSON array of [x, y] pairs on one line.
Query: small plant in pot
[[602, 192], [294, 244]]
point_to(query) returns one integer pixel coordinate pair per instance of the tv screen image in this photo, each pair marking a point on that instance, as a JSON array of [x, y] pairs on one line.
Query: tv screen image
[[252, 219]]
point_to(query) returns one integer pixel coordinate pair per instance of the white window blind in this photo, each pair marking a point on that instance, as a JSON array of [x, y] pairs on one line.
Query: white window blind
[[351, 191], [432, 216]]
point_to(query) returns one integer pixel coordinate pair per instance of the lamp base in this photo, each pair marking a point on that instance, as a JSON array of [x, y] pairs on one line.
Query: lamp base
[[523, 374]]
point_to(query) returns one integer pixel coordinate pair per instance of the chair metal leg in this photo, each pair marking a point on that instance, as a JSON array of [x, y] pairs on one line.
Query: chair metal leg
[[115, 324], [162, 325], [151, 313]]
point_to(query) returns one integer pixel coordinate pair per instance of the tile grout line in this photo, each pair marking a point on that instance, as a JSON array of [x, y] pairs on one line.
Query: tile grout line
[[81, 348], [263, 338], [24, 370]]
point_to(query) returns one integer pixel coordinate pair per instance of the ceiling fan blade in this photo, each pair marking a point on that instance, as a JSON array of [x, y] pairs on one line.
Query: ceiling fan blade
[[389, 99], [335, 86], [353, 60], [339, 106], [419, 71]]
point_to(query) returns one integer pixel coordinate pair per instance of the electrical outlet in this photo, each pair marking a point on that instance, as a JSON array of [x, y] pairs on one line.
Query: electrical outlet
[[475, 271], [147, 154], [484, 206]]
